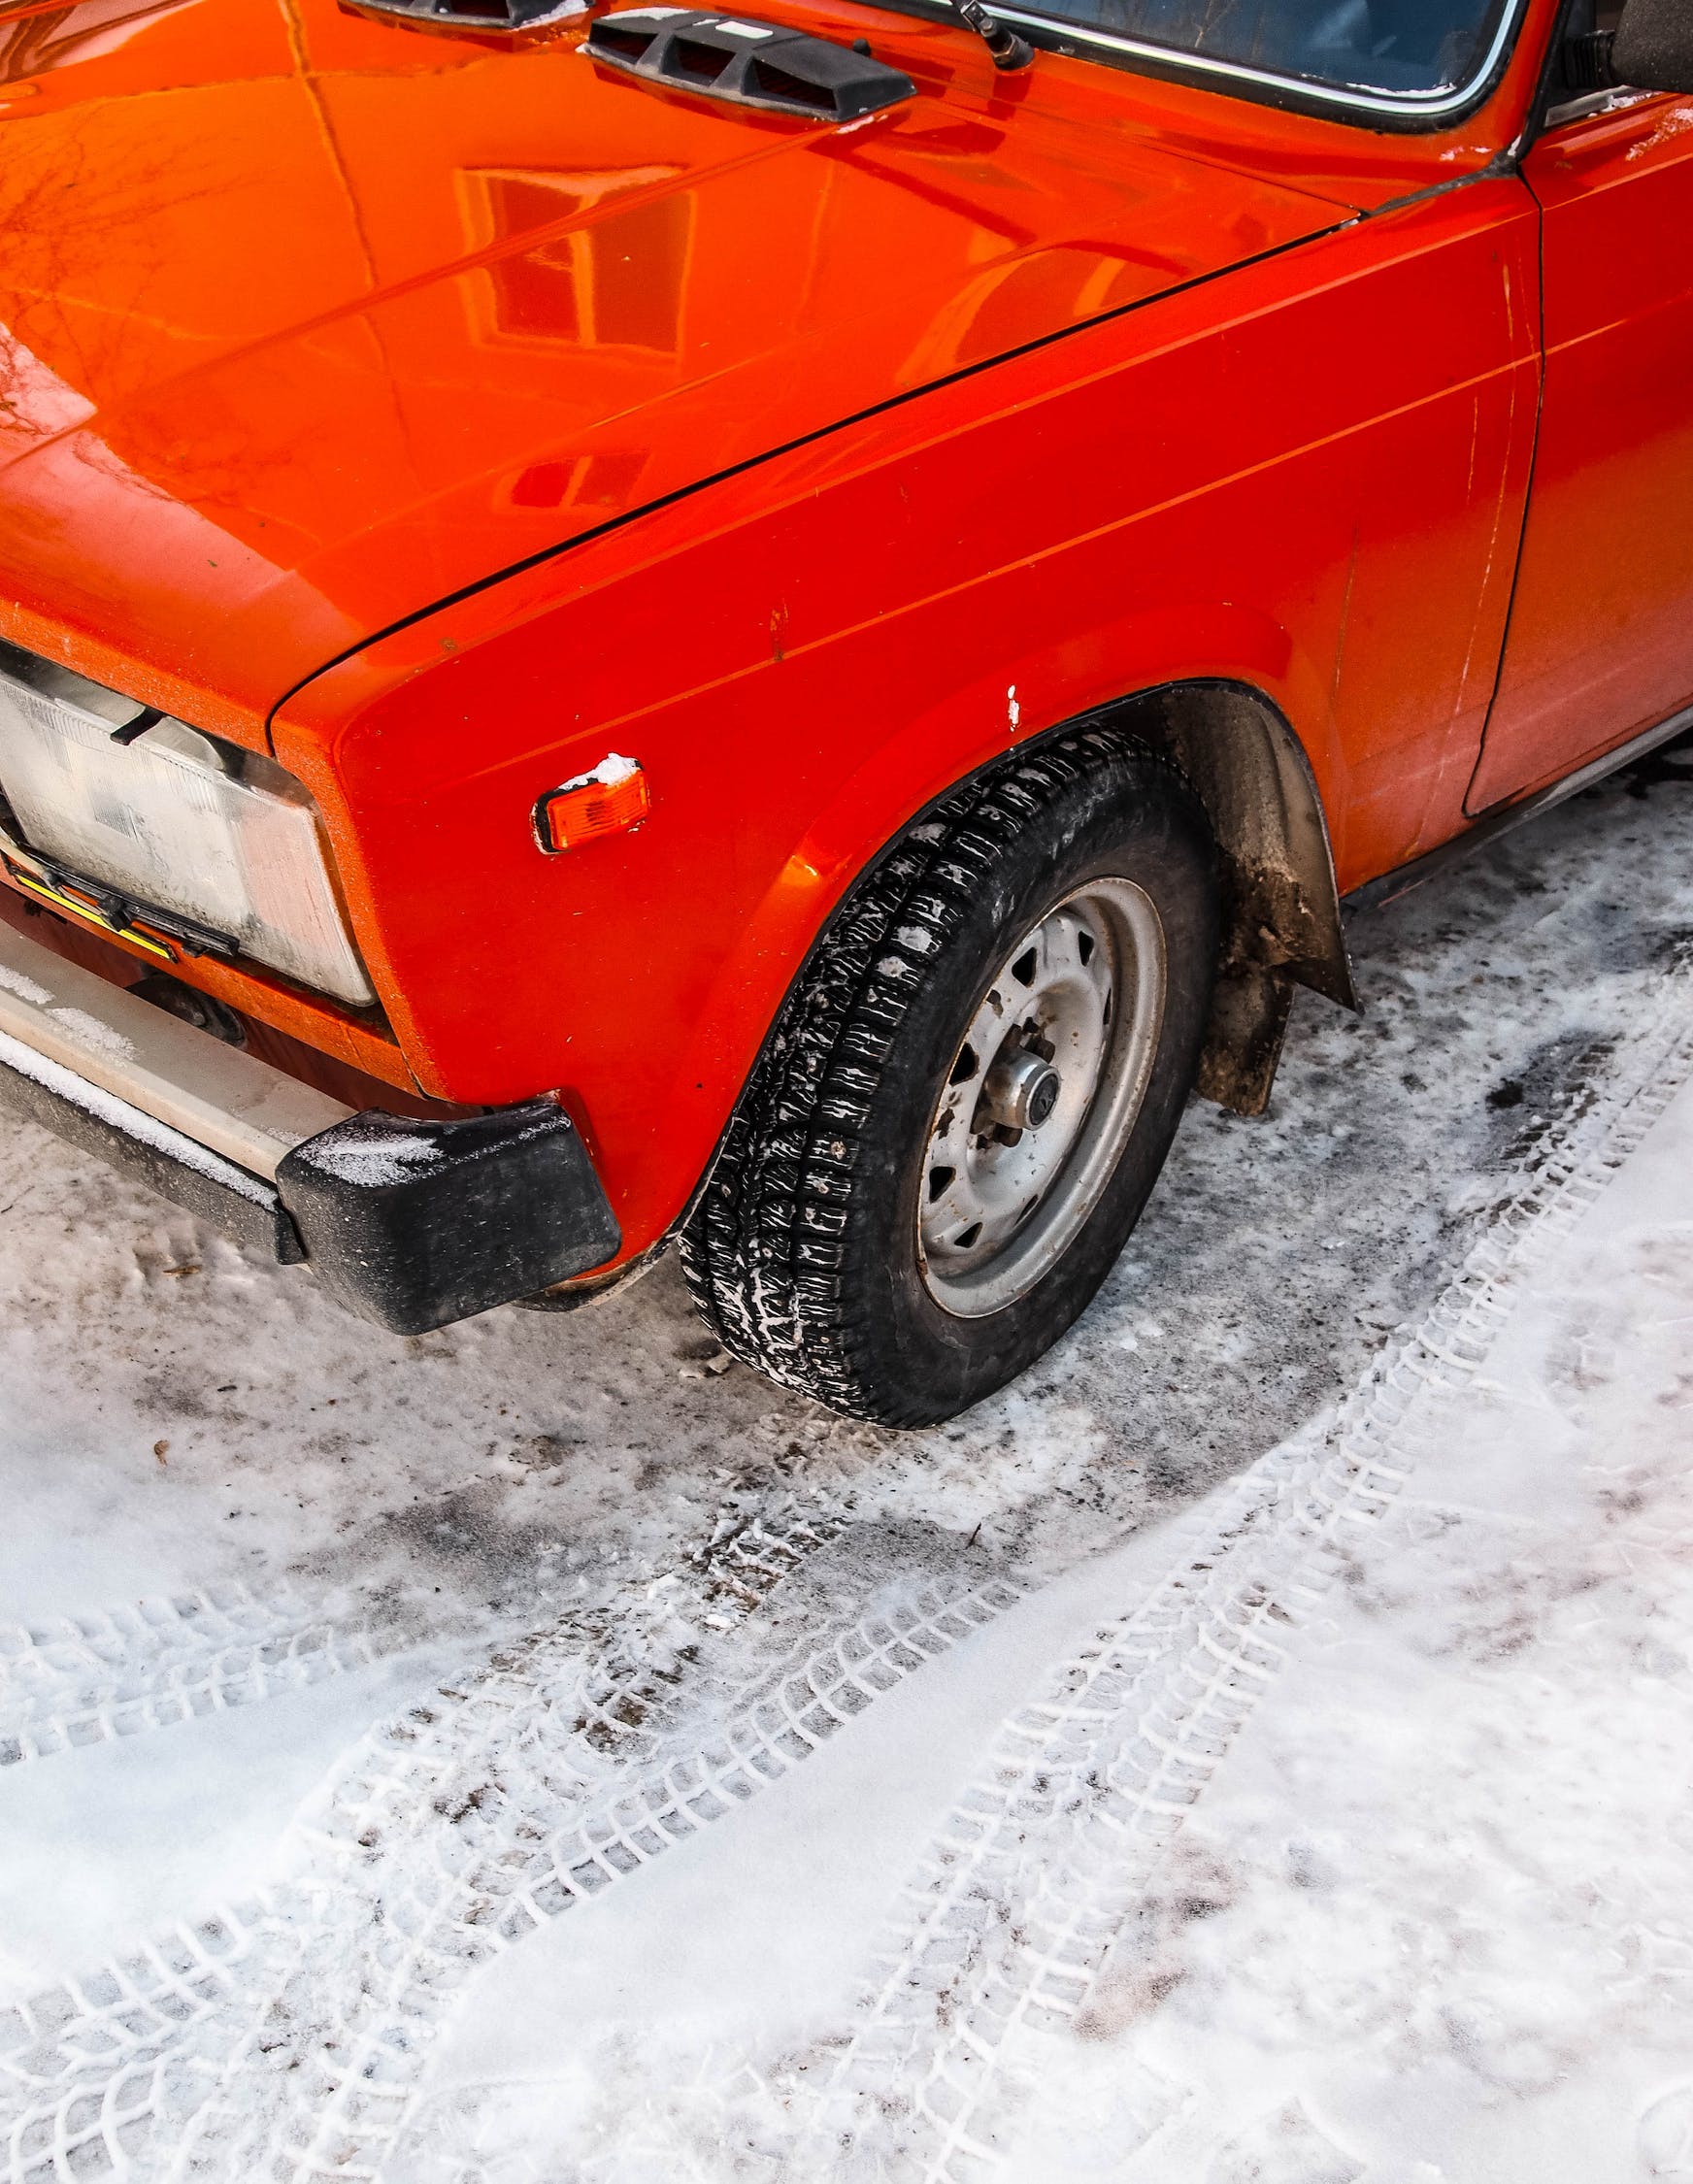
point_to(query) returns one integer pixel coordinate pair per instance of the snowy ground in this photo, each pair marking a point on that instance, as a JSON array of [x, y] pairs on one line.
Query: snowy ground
[[1255, 1750]]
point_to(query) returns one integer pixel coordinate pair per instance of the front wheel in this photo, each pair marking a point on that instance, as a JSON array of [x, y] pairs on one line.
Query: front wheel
[[970, 1090]]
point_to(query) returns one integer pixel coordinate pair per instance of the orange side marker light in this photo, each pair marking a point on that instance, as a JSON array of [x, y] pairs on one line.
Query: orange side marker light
[[611, 798]]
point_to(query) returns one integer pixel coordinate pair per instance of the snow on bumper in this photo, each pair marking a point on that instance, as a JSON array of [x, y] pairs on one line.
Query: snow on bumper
[[411, 1224]]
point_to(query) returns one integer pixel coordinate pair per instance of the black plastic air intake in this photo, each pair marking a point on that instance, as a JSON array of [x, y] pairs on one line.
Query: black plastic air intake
[[753, 63]]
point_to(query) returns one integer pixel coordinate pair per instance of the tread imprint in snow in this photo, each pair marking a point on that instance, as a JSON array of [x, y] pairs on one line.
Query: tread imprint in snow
[[282, 2041], [1042, 1863], [505, 1887], [80, 1679]]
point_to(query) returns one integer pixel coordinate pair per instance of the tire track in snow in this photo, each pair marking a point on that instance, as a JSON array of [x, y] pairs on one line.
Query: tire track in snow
[[77, 1681], [455, 1920], [80, 2065], [283, 2039], [1040, 1865], [91, 2070]]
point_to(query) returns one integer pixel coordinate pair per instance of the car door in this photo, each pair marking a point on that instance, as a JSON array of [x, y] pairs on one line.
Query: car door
[[1599, 642]]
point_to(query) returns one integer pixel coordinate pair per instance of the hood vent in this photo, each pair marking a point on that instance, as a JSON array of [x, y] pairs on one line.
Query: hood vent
[[751, 63]]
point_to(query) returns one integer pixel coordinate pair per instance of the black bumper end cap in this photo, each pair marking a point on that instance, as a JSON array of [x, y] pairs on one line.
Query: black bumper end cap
[[413, 1224]]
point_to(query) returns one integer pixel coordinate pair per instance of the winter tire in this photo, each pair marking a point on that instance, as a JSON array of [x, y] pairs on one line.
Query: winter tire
[[969, 1094]]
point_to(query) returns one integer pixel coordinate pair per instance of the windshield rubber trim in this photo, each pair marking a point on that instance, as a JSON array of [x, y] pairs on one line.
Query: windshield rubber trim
[[1387, 111]]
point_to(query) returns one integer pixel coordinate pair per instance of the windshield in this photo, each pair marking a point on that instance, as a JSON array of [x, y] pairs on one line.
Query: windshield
[[1415, 55]]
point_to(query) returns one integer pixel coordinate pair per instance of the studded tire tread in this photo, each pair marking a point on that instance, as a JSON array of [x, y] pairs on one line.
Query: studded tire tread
[[768, 1248]]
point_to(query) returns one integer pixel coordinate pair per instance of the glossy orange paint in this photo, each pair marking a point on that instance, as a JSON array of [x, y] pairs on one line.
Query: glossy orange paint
[[315, 319], [382, 313], [804, 656], [1602, 630], [910, 440]]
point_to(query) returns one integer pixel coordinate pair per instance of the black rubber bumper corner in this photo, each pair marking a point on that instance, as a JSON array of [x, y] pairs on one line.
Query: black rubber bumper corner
[[416, 1224], [408, 1224]]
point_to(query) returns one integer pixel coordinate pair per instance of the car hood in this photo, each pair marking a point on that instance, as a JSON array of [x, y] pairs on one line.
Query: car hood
[[310, 319]]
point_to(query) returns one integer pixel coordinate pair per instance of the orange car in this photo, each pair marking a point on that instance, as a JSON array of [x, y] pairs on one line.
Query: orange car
[[777, 632]]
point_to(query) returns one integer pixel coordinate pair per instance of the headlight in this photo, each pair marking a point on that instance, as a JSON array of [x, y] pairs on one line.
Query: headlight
[[175, 821]]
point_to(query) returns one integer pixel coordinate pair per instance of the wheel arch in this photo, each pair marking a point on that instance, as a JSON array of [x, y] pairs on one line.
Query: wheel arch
[[1281, 919], [1282, 900]]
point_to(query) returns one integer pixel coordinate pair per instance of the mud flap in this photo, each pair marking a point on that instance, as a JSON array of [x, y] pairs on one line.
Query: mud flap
[[1250, 1005]]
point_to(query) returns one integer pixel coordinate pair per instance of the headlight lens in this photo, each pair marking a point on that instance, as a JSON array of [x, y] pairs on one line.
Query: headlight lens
[[176, 821]]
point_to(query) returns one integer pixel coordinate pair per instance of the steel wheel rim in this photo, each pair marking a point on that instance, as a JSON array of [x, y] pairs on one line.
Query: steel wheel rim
[[1013, 1166]]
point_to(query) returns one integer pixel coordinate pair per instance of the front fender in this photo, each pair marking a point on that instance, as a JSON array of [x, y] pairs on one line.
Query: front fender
[[641, 974], [1293, 479]]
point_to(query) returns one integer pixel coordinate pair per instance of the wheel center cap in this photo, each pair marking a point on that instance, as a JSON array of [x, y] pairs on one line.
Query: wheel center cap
[[1043, 1096], [1020, 1091]]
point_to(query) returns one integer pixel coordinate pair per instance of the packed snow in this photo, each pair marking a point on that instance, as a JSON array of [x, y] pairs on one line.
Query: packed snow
[[1252, 1750]]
